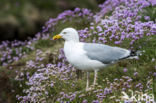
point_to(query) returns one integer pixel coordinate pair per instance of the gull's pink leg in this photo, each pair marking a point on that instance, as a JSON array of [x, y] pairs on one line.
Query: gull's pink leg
[[87, 85], [95, 78]]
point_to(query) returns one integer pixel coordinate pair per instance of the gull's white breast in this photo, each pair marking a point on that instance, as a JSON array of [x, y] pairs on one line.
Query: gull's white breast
[[76, 56]]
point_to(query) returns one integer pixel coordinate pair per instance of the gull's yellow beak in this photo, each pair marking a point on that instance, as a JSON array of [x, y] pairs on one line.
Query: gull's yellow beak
[[57, 37]]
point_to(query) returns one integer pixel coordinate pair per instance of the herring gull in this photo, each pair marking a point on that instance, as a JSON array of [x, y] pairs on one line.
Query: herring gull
[[90, 56]]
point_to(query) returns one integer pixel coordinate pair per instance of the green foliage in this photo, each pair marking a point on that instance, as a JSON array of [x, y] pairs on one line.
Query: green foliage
[[15, 7], [77, 23], [154, 87], [149, 11], [44, 43]]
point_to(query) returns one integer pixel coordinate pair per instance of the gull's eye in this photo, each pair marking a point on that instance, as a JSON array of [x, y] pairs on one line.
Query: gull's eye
[[64, 32]]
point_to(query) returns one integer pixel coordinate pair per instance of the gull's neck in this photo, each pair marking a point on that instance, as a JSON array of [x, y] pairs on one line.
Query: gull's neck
[[73, 40], [70, 43]]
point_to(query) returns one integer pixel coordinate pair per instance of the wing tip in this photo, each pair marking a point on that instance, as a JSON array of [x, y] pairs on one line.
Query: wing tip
[[135, 54]]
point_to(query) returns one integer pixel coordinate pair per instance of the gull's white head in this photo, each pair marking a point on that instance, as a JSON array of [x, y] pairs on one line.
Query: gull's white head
[[68, 34]]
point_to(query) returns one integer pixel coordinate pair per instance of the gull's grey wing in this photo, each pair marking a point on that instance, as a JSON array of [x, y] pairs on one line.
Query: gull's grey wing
[[104, 53]]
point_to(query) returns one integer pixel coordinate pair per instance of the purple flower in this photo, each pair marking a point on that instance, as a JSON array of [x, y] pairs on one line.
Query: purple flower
[[125, 69], [49, 65], [135, 74], [84, 101], [99, 28], [77, 9], [95, 101], [123, 89], [146, 17]]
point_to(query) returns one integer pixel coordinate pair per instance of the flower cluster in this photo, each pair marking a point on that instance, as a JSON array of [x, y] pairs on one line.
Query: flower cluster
[[110, 5], [39, 83], [123, 24], [42, 83], [13, 51], [41, 78], [67, 15]]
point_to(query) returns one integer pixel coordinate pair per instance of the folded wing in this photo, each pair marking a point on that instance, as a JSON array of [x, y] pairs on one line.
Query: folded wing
[[104, 53]]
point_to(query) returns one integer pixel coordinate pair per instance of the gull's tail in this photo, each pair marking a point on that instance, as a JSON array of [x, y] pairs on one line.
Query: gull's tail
[[135, 54]]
